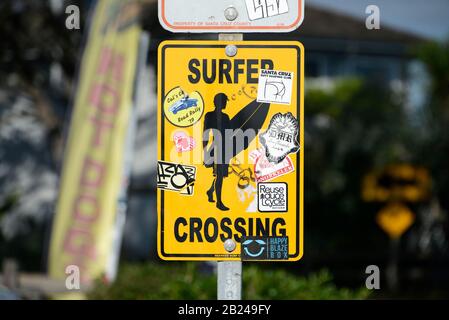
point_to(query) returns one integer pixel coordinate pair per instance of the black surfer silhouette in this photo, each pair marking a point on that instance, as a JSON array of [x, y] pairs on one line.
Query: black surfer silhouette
[[251, 116], [217, 121]]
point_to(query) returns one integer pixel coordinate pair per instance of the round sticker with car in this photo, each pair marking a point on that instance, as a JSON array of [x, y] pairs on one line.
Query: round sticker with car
[[183, 109]]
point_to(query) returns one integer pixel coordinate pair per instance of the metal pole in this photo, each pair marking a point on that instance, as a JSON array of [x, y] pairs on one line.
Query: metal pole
[[229, 280], [392, 269], [229, 273], [10, 274]]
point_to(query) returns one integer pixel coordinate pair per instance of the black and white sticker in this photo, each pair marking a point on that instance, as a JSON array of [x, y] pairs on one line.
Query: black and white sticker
[[176, 177], [275, 86], [280, 139], [272, 197], [259, 9]]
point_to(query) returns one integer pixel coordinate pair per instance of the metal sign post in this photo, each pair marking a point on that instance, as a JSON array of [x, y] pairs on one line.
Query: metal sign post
[[229, 280], [229, 273]]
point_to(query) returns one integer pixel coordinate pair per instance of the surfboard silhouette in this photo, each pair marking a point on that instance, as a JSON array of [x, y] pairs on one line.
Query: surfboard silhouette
[[252, 116], [229, 144]]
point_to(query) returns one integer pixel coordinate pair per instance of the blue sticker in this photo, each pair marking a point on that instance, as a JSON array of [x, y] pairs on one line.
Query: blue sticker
[[264, 248]]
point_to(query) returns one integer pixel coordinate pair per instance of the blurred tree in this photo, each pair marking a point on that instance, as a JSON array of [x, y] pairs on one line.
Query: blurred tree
[[186, 281], [33, 38], [352, 128], [434, 149], [38, 58], [37, 68]]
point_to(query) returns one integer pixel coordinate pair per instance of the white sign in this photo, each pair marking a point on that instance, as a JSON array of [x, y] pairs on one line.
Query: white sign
[[206, 16], [275, 86]]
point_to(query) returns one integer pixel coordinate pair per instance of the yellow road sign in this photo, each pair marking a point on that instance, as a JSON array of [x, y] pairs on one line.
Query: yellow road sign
[[395, 219], [230, 150], [398, 182]]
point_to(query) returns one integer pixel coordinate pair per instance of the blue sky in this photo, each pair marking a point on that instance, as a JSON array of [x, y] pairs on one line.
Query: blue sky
[[429, 18]]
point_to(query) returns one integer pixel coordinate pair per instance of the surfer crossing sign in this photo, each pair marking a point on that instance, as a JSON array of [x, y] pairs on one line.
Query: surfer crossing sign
[[230, 150]]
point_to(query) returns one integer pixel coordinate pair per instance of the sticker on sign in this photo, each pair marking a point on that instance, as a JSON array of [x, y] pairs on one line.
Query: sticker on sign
[[202, 16], [275, 86], [272, 196]]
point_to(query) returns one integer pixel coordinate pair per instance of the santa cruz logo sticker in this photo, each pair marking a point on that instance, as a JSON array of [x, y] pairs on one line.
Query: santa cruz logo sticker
[[275, 86], [281, 137]]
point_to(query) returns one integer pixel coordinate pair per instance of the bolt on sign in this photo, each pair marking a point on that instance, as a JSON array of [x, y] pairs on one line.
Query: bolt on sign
[[231, 15], [230, 150]]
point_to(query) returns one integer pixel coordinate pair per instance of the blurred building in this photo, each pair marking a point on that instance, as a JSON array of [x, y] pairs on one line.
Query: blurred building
[[341, 46]]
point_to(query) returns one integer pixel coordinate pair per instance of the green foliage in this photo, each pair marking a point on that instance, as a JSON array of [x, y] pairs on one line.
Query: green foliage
[[332, 102], [433, 151], [435, 57], [351, 129], [261, 283], [154, 281], [32, 39], [186, 281]]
